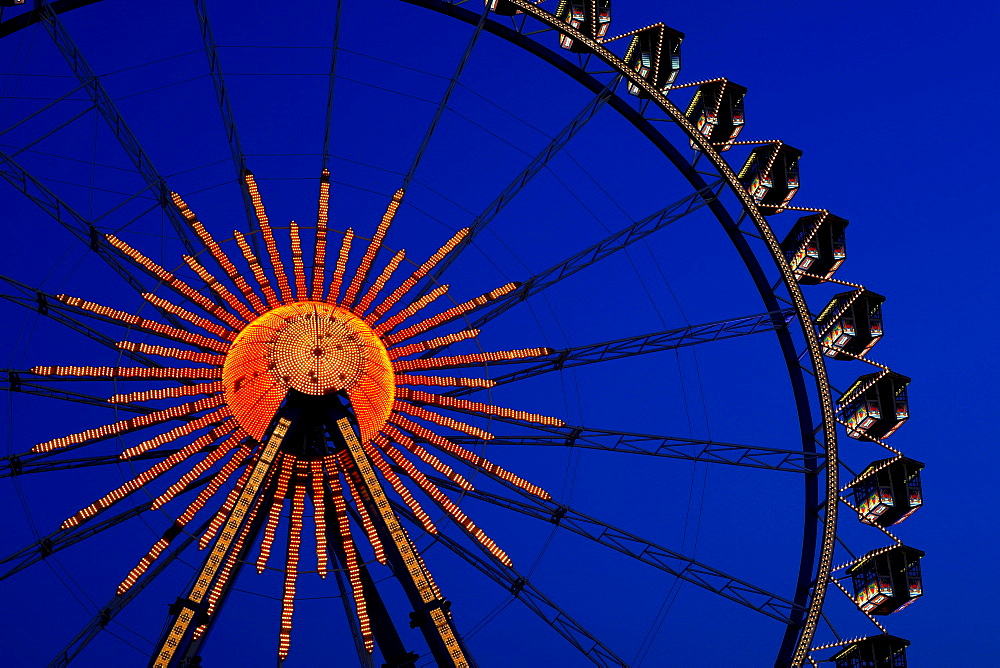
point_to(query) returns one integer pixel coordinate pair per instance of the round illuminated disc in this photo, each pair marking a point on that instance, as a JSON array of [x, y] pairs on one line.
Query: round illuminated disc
[[315, 348]]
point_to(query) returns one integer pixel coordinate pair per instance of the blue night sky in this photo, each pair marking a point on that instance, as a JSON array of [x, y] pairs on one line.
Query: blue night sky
[[891, 104]]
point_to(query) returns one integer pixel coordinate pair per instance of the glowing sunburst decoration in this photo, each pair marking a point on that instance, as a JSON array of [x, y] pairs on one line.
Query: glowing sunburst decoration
[[317, 341]]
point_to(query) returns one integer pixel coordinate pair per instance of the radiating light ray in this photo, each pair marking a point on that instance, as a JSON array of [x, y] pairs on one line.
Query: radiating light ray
[[319, 261], [220, 256], [286, 465], [446, 504], [410, 310], [449, 315], [150, 474], [202, 466], [442, 381], [128, 425], [351, 556], [467, 456], [424, 414], [316, 478], [144, 324], [361, 275], [333, 294], [129, 372], [421, 271], [223, 512], [298, 268], [476, 407], [258, 270], [353, 482], [474, 359], [431, 344], [268, 234], [218, 288], [420, 452], [291, 569], [401, 490], [185, 429], [380, 282], [167, 393], [184, 314], [193, 508], [173, 353], [144, 563], [176, 284]]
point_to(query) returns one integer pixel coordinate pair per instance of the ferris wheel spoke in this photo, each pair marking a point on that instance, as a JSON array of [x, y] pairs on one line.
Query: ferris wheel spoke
[[77, 225], [47, 305], [118, 603], [537, 164], [130, 144], [678, 565], [27, 462], [228, 118], [604, 248], [556, 360], [64, 538], [689, 449], [528, 594]]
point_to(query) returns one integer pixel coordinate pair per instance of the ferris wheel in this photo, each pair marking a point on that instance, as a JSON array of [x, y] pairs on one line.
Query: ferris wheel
[[429, 332]]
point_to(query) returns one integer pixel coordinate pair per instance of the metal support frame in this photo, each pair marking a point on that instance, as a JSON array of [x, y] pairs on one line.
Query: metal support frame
[[228, 118], [689, 449], [602, 249], [529, 595], [106, 106], [674, 563], [63, 538], [636, 345], [119, 602], [538, 163]]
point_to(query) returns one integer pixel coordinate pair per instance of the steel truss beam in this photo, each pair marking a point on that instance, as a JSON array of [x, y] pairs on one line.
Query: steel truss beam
[[676, 564], [119, 602], [63, 214], [602, 249], [63, 538], [47, 304], [689, 449], [28, 462], [106, 106], [528, 594], [228, 119], [635, 345], [538, 163]]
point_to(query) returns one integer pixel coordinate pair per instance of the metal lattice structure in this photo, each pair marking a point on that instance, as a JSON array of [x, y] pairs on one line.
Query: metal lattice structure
[[311, 391]]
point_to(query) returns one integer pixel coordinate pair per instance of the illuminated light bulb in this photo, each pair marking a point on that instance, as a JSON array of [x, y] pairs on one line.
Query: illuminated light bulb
[[316, 348], [257, 270], [380, 282], [175, 353], [430, 344], [333, 295], [407, 442], [366, 261], [474, 359], [411, 309], [298, 268], [277, 503], [218, 288], [268, 234], [216, 252], [421, 271], [175, 284], [322, 217], [450, 314]]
